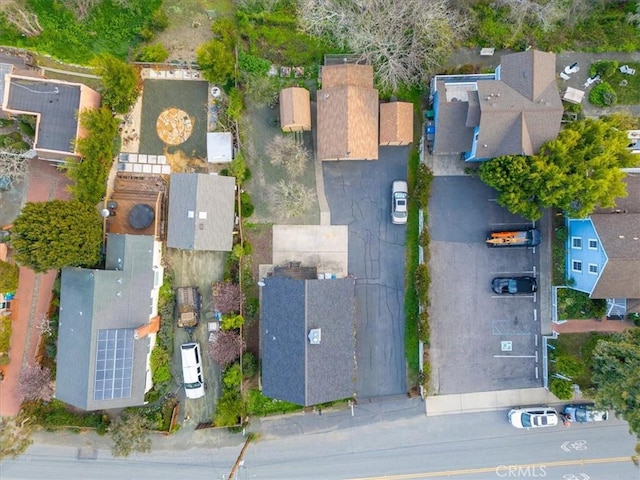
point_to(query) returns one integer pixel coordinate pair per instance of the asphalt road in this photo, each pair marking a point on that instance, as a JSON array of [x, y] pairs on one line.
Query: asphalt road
[[480, 341], [471, 446], [359, 195]]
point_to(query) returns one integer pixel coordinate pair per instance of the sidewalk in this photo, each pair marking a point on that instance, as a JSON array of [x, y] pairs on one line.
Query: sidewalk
[[44, 182], [580, 326]]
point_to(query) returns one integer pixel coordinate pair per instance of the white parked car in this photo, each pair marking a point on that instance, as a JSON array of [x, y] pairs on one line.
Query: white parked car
[[533, 417], [192, 370], [399, 197]]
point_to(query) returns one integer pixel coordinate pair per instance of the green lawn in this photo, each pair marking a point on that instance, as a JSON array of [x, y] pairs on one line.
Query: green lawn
[[628, 94], [580, 347]]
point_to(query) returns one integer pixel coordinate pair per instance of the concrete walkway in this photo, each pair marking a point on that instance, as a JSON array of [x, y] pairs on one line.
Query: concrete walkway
[[487, 401], [33, 296]]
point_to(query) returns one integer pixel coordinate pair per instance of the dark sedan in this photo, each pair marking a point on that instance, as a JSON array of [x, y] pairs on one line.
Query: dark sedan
[[514, 285]]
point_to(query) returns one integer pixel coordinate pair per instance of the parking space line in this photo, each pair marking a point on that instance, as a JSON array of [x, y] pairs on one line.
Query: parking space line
[[513, 296], [514, 356]]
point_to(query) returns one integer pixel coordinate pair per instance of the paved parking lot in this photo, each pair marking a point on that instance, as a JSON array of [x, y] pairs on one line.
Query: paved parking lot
[[359, 195], [480, 341]]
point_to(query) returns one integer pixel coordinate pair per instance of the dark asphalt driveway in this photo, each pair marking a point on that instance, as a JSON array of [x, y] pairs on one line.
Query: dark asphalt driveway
[[480, 341], [359, 195]]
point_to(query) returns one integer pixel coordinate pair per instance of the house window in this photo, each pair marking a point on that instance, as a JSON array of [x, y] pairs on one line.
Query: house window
[[593, 244], [576, 265], [576, 242], [593, 268]]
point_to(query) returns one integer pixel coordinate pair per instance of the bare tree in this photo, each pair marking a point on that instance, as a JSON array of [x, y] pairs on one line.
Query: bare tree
[[15, 435], [17, 14], [404, 41], [286, 152], [226, 297], [80, 8], [35, 383], [545, 14], [226, 347], [13, 164], [291, 198]]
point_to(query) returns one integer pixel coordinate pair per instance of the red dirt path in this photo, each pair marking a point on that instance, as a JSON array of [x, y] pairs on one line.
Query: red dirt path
[[33, 297]]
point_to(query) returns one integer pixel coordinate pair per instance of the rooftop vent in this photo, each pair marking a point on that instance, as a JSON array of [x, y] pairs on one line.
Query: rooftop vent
[[315, 336]]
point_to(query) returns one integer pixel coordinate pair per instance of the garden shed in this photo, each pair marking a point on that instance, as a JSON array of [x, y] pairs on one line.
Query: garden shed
[[396, 123], [295, 109], [219, 147]]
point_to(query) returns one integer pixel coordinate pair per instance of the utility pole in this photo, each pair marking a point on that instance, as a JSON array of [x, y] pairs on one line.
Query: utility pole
[[240, 460]]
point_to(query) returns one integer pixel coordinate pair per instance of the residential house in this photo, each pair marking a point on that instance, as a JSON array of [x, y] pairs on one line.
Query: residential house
[[295, 109], [55, 104], [512, 111], [307, 334], [347, 108], [603, 252], [108, 325], [396, 123], [201, 212]]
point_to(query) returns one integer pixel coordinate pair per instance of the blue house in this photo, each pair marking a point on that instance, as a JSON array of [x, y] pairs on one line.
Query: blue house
[[512, 111], [603, 252]]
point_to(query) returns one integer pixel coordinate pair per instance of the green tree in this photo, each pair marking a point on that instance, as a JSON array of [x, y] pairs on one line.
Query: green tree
[[57, 234], [120, 82], [8, 277], [577, 172], [130, 433], [97, 149], [216, 61], [616, 370]]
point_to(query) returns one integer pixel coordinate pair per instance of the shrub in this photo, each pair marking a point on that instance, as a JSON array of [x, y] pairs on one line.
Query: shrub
[[160, 365], [27, 125], [231, 322], [55, 414], [226, 297], [8, 277], [246, 207], [230, 409], [561, 388], [603, 95], [5, 334], [234, 105], [249, 365], [152, 53], [422, 284], [568, 366], [20, 146], [604, 68], [253, 65], [232, 377], [424, 331], [259, 405], [422, 190]]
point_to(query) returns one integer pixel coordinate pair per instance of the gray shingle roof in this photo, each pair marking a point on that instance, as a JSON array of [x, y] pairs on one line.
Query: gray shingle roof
[[92, 300], [517, 114], [201, 212], [620, 238], [57, 105], [292, 368]]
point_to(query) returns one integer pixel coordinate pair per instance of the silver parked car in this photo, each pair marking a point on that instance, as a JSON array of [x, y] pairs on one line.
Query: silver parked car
[[399, 198], [583, 413], [533, 417]]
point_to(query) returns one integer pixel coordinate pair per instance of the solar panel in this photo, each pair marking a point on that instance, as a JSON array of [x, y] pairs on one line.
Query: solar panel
[[114, 364]]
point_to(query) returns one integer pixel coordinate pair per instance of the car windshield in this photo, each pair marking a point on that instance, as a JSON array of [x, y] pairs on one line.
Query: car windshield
[[192, 385], [513, 286], [526, 420]]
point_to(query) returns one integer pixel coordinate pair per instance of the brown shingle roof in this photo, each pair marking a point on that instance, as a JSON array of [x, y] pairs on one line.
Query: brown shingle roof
[[396, 123], [347, 74], [295, 109], [347, 113]]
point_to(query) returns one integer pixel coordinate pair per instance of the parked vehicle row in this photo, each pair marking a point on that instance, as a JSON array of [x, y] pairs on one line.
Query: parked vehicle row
[[545, 416]]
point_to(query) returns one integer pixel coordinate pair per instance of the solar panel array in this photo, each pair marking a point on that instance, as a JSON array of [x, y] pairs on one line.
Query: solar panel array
[[114, 364]]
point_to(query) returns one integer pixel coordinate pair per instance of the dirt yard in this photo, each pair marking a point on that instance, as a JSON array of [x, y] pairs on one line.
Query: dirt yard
[[189, 26]]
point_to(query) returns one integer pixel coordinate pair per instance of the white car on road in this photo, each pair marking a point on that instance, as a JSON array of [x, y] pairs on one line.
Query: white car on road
[[399, 197], [533, 417]]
